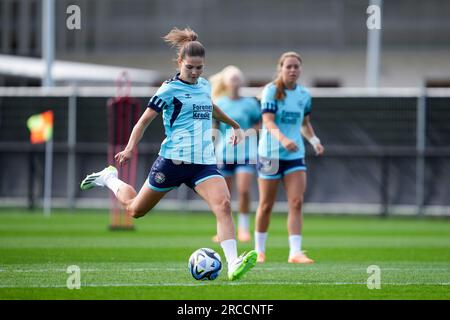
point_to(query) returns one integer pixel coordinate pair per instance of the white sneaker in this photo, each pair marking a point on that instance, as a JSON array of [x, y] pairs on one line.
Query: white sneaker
[[97, 179]]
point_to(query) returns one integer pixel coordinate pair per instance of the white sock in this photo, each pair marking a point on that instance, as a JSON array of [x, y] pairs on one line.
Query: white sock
[[114, 184], [295, 244], [230, 250], [260, 241], [244, 221]]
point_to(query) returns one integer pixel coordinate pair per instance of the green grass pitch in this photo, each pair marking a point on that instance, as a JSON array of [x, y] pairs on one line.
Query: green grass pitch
[[151, 262]]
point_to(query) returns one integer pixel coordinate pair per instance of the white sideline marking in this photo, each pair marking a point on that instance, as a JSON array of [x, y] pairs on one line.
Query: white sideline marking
[[258, 268], [96, 285], [94, 270]]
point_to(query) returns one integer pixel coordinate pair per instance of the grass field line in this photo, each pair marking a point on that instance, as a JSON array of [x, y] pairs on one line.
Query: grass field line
[[182, 269], [294, 268], [190, 284]]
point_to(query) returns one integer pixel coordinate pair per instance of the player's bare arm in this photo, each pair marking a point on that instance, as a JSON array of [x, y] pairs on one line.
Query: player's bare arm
[[269, 122], [308, 132], [136, 135], [219, 115]]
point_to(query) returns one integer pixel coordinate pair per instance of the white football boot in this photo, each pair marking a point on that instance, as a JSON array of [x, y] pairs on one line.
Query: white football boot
[[97, 179]]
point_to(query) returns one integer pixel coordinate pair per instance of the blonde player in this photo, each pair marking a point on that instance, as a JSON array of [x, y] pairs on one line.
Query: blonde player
[[237, 161], [286, 109]]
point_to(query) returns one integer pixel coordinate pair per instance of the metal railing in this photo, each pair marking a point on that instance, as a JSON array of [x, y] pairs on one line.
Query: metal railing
[[389, 138]]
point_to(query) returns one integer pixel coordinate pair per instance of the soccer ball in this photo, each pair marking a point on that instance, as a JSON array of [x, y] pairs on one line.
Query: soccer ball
[[205, 264]]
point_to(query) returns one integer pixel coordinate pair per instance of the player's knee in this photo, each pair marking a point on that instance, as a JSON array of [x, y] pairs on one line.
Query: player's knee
[[296, 203], [226, 204], [265, 208], [136, 212], [244, 194], [223, 206]]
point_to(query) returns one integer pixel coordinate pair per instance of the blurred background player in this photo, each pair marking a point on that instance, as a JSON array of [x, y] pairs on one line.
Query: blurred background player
[[237, 160], [187, 154], [286, 108]]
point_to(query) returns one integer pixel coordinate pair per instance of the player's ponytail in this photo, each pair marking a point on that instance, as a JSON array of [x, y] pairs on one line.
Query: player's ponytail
[[219, 80], [280, 93], [186, 43]]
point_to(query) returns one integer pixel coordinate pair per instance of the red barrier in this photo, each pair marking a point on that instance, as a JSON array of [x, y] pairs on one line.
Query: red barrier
[[123, 113]]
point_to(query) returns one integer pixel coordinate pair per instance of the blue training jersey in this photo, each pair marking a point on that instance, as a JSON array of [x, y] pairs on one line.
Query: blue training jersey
[[289, 114], [187, 117], [246, 112]]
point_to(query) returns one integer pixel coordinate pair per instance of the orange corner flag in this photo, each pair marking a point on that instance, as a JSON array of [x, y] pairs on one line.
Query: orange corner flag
[[41, 127]]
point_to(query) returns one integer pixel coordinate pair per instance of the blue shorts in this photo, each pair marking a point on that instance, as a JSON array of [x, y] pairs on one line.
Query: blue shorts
[[229, 169], [276, 168], [166, 175]]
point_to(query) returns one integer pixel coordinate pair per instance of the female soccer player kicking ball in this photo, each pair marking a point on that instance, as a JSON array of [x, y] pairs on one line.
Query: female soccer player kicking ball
[[187, 154], [286, 109]]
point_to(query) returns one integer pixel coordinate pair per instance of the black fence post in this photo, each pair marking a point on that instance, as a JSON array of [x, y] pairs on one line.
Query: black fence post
[[31, 176], [384, 187]]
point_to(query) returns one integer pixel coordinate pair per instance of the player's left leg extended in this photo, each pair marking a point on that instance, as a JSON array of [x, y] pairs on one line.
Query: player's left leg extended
[[144, 201], [295, 185], [136, 205]]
